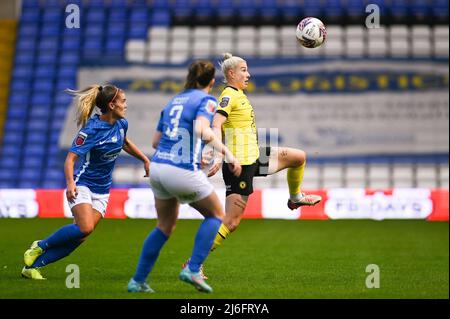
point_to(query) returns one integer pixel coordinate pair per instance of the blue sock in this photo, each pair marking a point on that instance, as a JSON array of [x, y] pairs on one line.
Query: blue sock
[[150, 252], [63, 235], [56, 253], [203, 242]]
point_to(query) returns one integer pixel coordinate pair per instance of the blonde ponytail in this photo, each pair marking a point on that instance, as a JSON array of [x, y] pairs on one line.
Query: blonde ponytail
[[86, 102], [229, 62]]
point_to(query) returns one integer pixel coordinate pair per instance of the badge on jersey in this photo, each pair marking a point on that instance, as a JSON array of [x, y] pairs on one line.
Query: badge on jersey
[[224, 102], [81, 138], [211, 107]]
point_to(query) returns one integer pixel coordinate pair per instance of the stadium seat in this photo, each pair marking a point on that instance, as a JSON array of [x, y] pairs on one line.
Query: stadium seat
[[421, 41], [427, 176], [379, 176], [399, 43], [355, 176], [355, 41], [377, 42], [225, 44], [403, 175], [334, 44], [160, 18], [135, 51], [441, 38]]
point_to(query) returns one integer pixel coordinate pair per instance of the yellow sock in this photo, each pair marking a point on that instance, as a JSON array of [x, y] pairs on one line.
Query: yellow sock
[[222, 233], [295, 178]]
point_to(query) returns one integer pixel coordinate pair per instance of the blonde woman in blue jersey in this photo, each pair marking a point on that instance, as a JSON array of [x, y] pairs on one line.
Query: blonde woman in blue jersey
[[176, 176], [97, 145], [235, 122]]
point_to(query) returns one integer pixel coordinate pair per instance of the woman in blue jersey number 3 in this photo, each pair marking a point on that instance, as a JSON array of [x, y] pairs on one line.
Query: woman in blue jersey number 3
[[184, 126], [98, 144]]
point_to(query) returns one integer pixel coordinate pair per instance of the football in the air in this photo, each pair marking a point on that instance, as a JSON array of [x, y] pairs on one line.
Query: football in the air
[[311, 32]]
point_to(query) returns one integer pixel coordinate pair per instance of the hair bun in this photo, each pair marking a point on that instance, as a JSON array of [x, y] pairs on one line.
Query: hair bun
[[227, 55]]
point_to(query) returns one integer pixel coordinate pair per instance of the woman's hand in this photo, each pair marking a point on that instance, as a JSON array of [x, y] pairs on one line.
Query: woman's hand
[[216, 166], [147, 168], [71, 192], [235, 168]]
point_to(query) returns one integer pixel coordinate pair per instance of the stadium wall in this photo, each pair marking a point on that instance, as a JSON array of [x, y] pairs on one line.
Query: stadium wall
[[358, 203]]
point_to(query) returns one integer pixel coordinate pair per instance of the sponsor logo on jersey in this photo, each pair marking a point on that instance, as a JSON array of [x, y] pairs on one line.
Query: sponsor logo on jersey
[[224, 102], [211, 106], [81, 138]]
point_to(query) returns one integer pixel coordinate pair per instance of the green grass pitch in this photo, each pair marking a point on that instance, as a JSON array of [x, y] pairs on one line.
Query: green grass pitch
[[263, 259]]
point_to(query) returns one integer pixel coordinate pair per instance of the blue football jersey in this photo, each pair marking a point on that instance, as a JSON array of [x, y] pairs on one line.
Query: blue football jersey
[[98, 144], [178, 145]]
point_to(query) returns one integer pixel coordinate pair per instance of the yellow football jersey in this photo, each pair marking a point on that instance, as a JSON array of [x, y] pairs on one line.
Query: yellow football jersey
[[239, 130]]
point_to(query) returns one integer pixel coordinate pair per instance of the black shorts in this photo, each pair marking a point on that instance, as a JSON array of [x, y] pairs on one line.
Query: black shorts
[[243, 185]]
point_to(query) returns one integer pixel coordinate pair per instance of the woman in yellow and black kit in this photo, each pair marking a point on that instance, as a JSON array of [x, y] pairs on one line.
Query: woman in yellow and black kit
[[234, 122]]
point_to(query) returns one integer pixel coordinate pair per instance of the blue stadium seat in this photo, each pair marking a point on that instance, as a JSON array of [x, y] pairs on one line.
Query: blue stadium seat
[[138, 15], [18, 112], [32, 4], [27, 29], [49, 43], [27, 183], [11, 163], [55, 174], [118, 4], [161, 18], [95, 15], [10, 150], [115, 44], [269, 10], [22, 71], [291, 11], [333, 10], [39, 98], [356, 9], [97, 4], [14, 125], [8, 175], [56, 126], [24, 57], [41, 112], [50, 30], [54, 4], [20, 84], [37, 125], [54, 136], [30, 15], [53, 184], [117, 16], [52, 15], [160, 4], [69, 58], [92, 44], [47, 57], [115, 28], [20, 98], [67, 71], [65, 83], [62, 98], [45, 71], [137, 30], [43, 87], [14, 137], [72, 43], [34, 163], [33, 149], [440, 11], [26, 43], [60, 112], [93, 31], [315, 9], [399, 10]]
